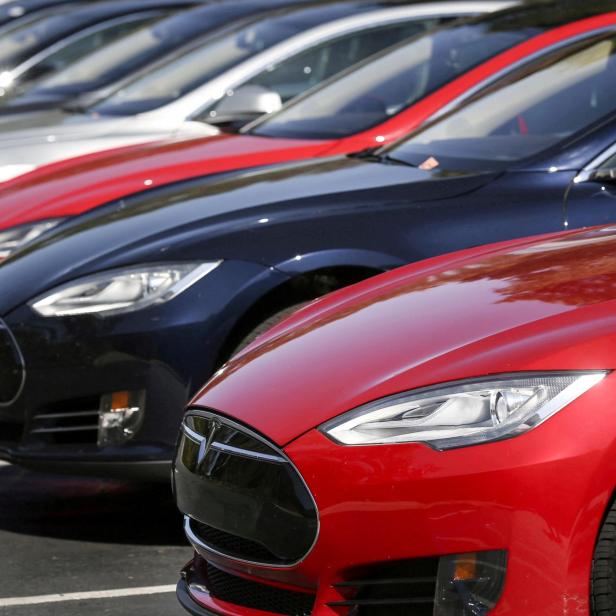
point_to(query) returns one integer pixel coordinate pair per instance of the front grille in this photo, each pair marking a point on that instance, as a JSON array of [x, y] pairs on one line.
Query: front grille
[[397, 589], [68, 422], [233, 545], [242, 497], [246, 593], [12, 371]]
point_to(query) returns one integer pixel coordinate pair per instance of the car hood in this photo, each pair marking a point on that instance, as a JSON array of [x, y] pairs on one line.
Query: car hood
[[79, 184], [33, 139], [194, 219], [542, 305]]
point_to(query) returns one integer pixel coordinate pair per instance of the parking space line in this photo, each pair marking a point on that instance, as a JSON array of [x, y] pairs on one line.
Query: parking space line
[[2, 463], [84, 596]]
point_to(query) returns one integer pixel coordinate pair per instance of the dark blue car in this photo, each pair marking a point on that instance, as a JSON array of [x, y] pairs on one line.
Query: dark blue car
[[111, 322]]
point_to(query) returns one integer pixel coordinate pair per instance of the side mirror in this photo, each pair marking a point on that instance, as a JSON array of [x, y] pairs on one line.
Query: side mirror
[[243, 105]]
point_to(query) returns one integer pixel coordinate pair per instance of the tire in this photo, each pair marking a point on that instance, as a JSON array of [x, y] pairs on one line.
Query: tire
[[272, 320], [603, 580]]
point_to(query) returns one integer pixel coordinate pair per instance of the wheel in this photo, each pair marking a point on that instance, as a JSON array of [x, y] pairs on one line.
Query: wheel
[[268, 323], [603, 580]]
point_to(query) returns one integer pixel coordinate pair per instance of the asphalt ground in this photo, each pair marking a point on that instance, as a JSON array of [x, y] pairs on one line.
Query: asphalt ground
[[72, 546]]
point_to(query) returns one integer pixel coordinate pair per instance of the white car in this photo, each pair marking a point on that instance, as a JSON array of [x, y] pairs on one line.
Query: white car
[[230, 78]]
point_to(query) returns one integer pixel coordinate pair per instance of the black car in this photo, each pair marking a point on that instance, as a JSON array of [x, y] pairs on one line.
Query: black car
[[112, 321]]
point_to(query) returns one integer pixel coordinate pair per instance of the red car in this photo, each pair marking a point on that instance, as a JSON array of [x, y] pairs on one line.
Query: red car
[[436, 440], [374, 104]]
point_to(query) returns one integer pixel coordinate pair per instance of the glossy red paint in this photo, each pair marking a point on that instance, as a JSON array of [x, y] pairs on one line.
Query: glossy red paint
[[77, 185], [540, 304]]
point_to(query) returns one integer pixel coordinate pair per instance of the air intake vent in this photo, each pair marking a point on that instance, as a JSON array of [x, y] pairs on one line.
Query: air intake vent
[[399, 589], [68, 422], [246, 593]]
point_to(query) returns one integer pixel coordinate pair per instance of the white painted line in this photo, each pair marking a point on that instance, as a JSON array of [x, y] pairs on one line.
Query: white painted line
[[3, 463], [85, 596]]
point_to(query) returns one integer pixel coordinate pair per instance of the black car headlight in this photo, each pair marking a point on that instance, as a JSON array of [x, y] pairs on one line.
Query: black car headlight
[[120, 291], [462, 413]]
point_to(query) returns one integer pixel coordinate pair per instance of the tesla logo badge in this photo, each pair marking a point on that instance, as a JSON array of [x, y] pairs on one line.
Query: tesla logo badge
[[206, 444]]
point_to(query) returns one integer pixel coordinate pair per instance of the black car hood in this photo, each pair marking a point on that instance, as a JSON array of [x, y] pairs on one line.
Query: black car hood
[[191, 219]]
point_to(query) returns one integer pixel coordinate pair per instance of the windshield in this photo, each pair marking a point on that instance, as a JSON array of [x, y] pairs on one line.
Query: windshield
[[25, 36], [387, 84], [201, 63], [529, 111], [130, 48], [140, 48], [63, 54]]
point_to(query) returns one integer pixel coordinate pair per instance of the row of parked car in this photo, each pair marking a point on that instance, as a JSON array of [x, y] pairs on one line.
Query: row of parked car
[[224, 190]]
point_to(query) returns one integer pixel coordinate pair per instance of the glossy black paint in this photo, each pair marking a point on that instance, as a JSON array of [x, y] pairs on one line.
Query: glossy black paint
[[269, 227], [11, 367]]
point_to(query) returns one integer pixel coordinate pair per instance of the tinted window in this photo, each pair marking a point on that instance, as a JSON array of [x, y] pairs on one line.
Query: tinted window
[[84, 44], [142, 47], [381, 88], [295, 75], [529, 111], [196, 66]]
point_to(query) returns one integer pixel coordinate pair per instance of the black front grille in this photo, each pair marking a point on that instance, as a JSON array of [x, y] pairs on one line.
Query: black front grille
[[397, 589], [232, 544], [246, 593], [241, 495], [12, 371]]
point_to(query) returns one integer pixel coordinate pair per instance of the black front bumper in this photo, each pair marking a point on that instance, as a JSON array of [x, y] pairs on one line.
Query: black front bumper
[[187, 602], [165, 352], [71, 365], [136, 470]]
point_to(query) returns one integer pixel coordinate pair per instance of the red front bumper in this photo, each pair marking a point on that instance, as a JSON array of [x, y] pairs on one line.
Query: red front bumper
[[541, 497]]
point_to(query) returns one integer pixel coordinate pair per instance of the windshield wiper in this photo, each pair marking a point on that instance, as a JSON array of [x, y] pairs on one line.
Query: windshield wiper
[[372, 154]]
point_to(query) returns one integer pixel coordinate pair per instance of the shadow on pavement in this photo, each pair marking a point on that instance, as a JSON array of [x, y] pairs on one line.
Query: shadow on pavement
[[85, 509]]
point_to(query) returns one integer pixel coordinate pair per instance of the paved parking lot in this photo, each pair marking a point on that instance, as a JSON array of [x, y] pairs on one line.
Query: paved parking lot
[[72, 546]]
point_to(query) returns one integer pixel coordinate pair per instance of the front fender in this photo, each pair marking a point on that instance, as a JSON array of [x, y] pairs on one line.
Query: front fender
[[345, 257]]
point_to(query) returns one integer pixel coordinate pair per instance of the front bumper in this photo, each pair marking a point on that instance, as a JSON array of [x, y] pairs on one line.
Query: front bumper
[[540, 498], [165, 352]]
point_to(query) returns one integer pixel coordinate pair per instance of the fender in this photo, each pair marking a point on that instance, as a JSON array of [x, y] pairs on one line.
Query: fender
[[344, 257]]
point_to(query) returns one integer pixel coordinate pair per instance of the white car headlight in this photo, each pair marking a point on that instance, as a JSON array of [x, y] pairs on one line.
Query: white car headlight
[[120, 291], [462, 413], [14, 238]]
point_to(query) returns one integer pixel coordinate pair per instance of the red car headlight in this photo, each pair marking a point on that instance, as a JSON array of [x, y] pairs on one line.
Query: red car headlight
[[463, 413]]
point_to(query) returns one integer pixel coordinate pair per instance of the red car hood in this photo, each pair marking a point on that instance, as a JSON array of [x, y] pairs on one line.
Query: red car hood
[[79, 184], [545, 304]]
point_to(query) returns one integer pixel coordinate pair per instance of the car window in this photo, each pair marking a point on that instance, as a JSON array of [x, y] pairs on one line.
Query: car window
[[193, 67], [89, 41], [27, 35], [534, 108], [383, 86], [292, 76]]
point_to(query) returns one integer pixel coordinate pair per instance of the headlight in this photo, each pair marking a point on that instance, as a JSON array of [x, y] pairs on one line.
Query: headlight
[[122, 291], [462, 413], [17, 237]]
